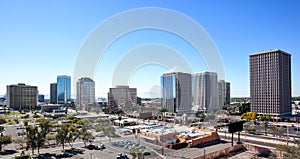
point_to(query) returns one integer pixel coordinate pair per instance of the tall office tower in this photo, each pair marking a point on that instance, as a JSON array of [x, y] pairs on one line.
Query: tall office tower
[[53, 93], [222, 92], [205, 91], [122, 96], [22, 96], [227, 93], [176, 92], [41, 98], [63, 89], [270, 83], [85, 92]]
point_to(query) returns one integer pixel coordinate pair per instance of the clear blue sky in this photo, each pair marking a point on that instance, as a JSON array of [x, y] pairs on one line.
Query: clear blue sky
[[40, 39]]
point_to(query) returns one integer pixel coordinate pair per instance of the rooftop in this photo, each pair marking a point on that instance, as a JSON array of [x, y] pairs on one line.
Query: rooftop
[[269, 51]]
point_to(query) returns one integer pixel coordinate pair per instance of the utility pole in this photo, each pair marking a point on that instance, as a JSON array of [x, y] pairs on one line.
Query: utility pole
[[231, 139]]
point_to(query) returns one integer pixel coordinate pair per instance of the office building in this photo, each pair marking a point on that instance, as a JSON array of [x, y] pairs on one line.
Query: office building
[[222, 92], [63, 89], [227, 93], [85, 92], [41, 98], [122, 96], [205, 91], [270, 83], [176, 92], [53, 93], [21, 96]]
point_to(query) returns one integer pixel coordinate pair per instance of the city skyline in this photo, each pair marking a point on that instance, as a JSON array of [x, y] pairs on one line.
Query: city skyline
[[41, 40]]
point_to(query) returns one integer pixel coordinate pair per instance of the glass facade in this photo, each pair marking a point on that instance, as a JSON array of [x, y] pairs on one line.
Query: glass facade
[[63, 89], [176, 92], [168, 82]]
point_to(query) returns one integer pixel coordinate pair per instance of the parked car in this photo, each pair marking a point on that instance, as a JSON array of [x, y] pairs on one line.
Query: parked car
[[67, 154], [91, 147], [121, 156], [297, 128], [100, 147], [145, 153]]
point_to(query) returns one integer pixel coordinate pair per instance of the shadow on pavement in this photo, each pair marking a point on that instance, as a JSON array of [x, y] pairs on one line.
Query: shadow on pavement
[[8, 152]]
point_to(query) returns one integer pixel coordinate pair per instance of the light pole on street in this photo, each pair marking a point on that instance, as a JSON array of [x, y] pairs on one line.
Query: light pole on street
[[287, 135], [162, 140]]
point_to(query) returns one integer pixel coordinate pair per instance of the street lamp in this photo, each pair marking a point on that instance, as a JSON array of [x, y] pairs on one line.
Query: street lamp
[[162, 140], [287, 135]]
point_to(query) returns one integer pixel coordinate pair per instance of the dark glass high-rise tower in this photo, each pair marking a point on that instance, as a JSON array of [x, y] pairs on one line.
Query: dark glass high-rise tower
[[63, 89], [53, 93], [177, 92]]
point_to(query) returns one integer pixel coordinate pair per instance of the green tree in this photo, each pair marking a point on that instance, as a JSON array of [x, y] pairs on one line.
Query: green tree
[[31, 137], [136, 152], [163, 110], [44, 125], [107, 129], [265, 123], [290, 152], [40, 140], [36, 135], [2, 121], [245, 107], [73, 134], [85, 135], [4, 139], [265, 119], [250, 128], [62, 135]]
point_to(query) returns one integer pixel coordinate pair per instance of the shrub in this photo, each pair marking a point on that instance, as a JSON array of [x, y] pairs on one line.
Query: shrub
[[2, 121]]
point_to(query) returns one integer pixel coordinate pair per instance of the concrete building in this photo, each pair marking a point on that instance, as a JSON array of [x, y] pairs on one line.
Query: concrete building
[[53, 93], [85, 92], [21, 96], [270, 83], [205, 90], [122, 96], [63, 89], [50, 107], [222, 92], [177, 92], [227, 94]]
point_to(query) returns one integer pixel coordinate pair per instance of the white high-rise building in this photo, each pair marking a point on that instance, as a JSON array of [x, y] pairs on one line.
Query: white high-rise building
[[85, 92], [205, 91]]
